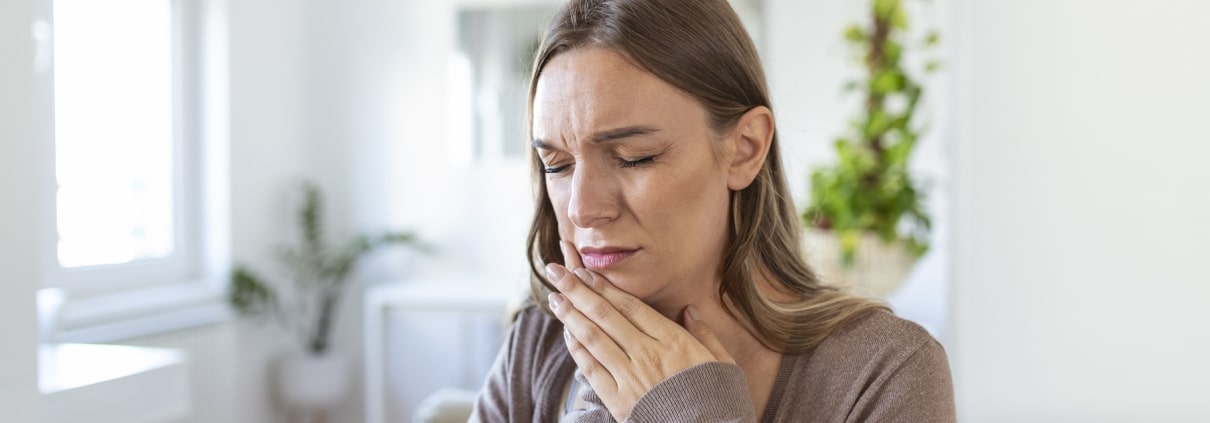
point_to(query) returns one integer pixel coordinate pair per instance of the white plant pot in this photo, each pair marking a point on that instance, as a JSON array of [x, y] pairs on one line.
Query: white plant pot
[[310, 382], [878, 268]]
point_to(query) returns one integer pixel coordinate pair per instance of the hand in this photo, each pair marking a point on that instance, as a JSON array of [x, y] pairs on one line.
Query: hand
[[621, 345]]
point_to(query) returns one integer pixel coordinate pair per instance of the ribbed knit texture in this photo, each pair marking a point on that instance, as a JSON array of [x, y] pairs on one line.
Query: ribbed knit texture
[[877, 368], [680, 399]]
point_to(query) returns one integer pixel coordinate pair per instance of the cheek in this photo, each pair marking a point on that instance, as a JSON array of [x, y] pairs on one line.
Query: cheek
[[558, 202], [694, 214]]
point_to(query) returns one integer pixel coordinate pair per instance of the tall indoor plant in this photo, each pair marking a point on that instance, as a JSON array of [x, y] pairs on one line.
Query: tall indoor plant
[[307, 306], [867, 202]]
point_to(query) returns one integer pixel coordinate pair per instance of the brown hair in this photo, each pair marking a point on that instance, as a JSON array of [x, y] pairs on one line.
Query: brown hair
[[700, 47]]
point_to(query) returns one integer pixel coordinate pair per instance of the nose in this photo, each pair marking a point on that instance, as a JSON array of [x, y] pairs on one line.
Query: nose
[[592, 198]]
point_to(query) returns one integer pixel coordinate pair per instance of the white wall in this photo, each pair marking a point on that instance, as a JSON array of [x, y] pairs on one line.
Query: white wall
[[19, 217], [270, 152], [1080, 290], [378, 124]]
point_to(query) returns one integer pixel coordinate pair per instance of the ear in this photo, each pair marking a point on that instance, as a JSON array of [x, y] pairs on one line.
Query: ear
[[750, 142]]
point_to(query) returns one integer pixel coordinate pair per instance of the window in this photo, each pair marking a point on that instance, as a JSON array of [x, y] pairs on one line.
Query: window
[[122, 143], [136, 92], [114, 131]]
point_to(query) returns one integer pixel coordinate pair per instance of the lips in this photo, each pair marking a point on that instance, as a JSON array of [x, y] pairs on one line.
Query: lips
[[601, 258]]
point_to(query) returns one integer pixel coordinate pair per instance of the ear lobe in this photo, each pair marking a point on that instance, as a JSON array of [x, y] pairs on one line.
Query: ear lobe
[[752, 138]]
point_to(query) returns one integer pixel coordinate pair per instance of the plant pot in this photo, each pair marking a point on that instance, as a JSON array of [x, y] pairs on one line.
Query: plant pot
[[313, 382], [878, 268]]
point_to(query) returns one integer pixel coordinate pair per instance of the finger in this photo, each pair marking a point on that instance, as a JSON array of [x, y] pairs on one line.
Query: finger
[[598, 376], [705, 335], [634, 310], [571, 256], [597, 342], [596, 308]]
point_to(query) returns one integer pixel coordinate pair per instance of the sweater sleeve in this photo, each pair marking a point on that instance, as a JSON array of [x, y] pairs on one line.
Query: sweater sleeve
[[920, 389], [493, 402], [709, 392]]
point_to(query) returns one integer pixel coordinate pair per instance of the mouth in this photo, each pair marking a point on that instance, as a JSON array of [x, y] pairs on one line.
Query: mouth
[[601, 258]]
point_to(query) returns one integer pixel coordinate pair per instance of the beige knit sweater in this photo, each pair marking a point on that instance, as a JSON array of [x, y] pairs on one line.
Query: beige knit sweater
[[876, 368]]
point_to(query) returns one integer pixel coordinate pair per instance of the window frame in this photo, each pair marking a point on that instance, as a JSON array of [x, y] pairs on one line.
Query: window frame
[[183, 262], [106, 303]]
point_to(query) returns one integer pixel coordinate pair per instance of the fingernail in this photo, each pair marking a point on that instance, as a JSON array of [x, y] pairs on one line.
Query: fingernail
[[693, 313], [554, 272], [554, 301], [583, 274]]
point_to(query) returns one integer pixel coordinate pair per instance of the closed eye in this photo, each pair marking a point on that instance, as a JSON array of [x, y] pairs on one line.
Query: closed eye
[[554, 169], [636, 163]]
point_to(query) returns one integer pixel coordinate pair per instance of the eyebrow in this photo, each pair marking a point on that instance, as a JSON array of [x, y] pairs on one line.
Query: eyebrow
[[607, 135]]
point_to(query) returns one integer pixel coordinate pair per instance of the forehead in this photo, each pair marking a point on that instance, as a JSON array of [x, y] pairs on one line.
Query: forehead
[[591, 89]]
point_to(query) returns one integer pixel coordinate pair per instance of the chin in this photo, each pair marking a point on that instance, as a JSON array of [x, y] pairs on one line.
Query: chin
[[629, 284]]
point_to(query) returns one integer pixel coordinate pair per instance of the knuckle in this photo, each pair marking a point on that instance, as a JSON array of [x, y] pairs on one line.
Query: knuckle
[[599, 311], [572, 343], [628, 307], [648, 357], [590, 369], [591, 337], [566, 282]]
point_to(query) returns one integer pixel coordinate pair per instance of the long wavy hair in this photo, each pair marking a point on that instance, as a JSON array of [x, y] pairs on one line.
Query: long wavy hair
[[701, 47]]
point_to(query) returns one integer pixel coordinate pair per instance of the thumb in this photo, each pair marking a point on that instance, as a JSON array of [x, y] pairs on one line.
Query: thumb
[[705, 335]]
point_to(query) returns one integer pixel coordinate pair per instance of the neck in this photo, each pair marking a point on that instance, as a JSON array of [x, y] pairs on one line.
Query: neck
[[735, 333]]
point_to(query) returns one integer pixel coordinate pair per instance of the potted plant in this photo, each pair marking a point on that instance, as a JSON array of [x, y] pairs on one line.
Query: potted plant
[[866, 218], [314, 378]]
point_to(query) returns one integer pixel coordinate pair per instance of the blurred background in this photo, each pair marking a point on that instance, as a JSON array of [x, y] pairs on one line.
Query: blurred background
[[148, 148]]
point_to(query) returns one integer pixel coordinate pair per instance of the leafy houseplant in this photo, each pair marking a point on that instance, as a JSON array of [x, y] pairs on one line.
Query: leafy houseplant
[[307, 309], [869, 189]]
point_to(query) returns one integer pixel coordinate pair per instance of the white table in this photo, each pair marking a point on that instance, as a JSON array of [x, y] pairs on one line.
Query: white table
[[426, 334], [112, 383]]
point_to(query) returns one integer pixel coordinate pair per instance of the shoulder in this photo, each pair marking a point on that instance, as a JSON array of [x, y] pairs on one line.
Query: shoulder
[[877, 333], [878, 342], [877, 364]]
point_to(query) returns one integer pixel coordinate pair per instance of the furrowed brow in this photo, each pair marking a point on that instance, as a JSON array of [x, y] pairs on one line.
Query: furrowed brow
[[622, 133], [606, 136]]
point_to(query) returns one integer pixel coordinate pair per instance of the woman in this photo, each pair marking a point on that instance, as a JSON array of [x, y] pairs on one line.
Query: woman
[[671, 285]]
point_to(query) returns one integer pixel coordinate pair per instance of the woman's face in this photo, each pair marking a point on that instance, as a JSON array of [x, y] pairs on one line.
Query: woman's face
[[633, 175]]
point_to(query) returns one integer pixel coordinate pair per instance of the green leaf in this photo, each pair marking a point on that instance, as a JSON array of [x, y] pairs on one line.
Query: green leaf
[[854, 34], [248, 295], [932, 39], [932, 66], [885, 9], [310, 217], [892, 51], [886, 82], [899, 18]]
